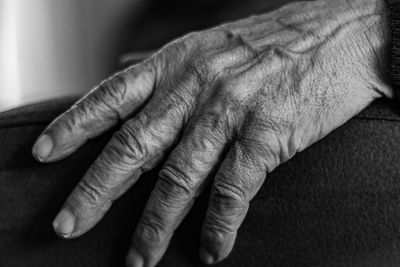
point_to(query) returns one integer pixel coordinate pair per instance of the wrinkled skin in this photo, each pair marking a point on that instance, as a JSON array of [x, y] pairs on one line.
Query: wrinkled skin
[[225, 106]]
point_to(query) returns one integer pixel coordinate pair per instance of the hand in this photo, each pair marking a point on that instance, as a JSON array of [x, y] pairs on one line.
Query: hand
[[236, 100]]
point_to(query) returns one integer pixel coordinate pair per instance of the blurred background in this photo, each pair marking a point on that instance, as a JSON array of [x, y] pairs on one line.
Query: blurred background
[[56, 48]]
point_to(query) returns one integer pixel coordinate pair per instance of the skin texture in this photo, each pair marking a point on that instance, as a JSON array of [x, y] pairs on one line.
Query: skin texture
[[225, 106]]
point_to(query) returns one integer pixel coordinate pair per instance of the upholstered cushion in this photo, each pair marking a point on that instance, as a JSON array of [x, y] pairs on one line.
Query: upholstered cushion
[[335, 204]]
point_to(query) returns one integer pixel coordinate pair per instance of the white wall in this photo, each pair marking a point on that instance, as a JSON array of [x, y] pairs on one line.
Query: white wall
[[50, 48]]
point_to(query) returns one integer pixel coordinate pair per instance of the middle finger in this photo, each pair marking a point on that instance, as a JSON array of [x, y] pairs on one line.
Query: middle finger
[[181, 181], [136, 147]]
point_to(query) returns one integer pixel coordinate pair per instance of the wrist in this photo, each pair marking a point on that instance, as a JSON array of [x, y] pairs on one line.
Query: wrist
[[374, 42], [393, 10]]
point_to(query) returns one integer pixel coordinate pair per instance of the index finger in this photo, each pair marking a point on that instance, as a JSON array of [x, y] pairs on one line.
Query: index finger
[[109, 102]]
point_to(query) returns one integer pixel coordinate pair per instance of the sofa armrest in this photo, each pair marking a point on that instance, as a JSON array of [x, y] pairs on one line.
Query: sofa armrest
[[334, 204]]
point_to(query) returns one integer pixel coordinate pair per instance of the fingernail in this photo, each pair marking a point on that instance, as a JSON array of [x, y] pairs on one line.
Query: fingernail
[[206, 256], [64, 223], [134, 259], [42, 148]]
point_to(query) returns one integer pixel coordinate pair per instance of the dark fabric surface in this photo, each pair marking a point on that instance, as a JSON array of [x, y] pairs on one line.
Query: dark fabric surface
[[163, 20], [335, 204]]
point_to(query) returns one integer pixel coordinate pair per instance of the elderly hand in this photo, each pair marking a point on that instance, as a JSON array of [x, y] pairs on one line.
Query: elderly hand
[[226, 106]]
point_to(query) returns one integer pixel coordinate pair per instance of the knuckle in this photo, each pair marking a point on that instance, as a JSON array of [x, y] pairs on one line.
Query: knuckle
[[171, 54], [263, 151], [207, 67], [105, 99], [221, 118], [149, 232], [216, 230], [225, 212], [93, 195], [69, 120], [230, 191], [113, 89], [179, 104], [199, 68], [275, 51], [109, 96], [225, 218], [73, 117], [216, 64], [175, 181], [126, 141]]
